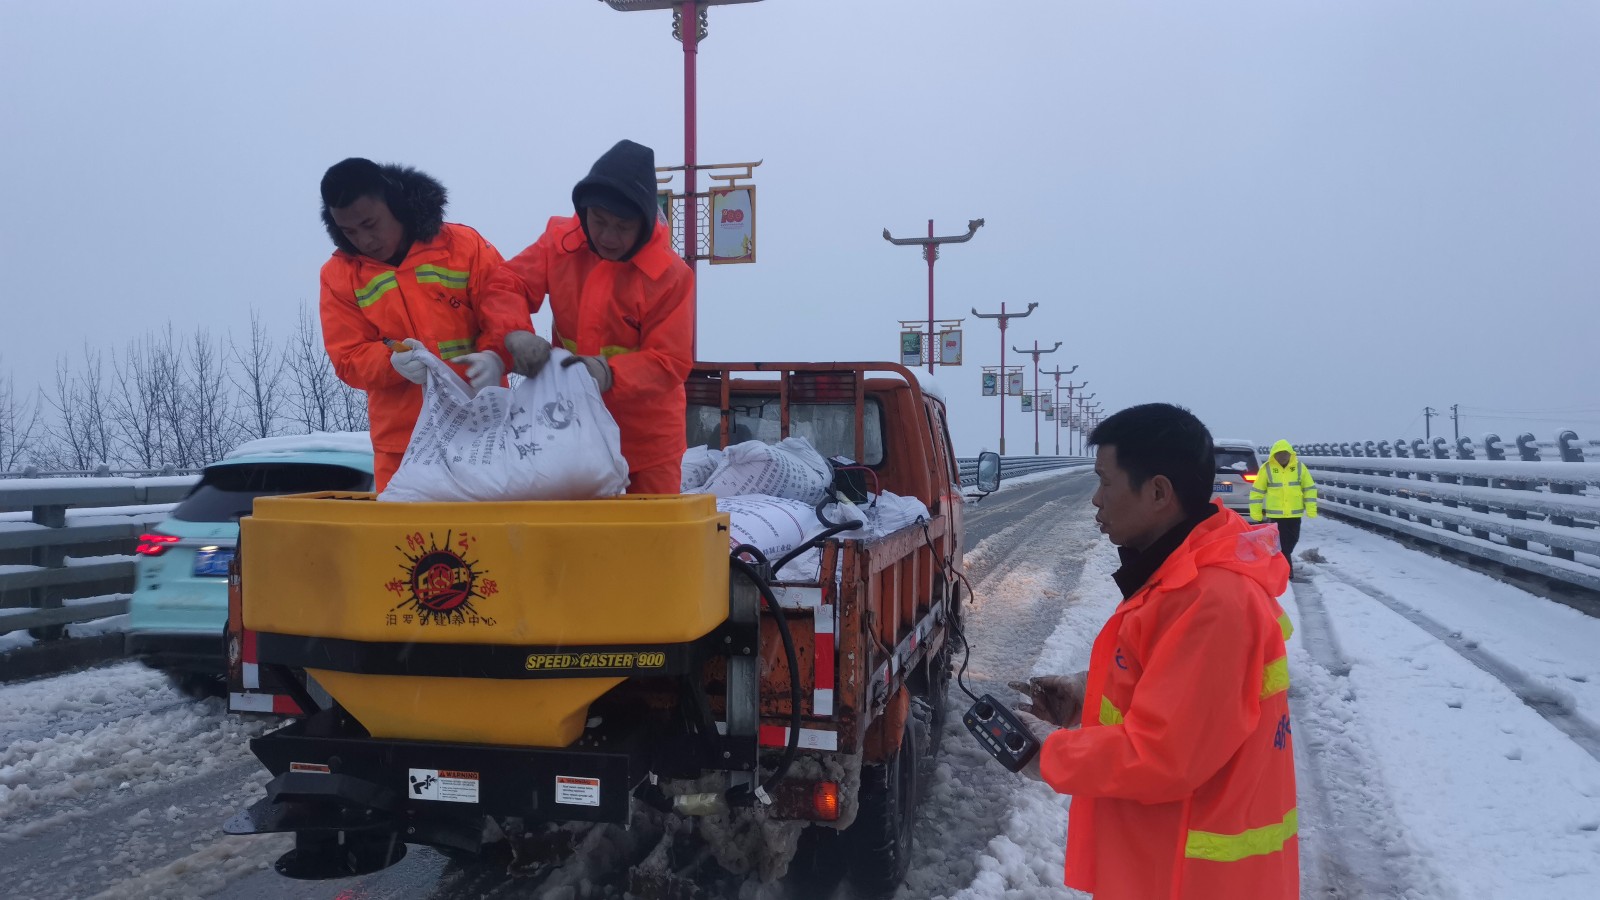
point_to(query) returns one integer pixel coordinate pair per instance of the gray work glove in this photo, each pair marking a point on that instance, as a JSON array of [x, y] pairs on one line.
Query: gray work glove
[[597, 366], [528, 352], [410, 365], [1040, 730], [484, 368], [1057, 699]]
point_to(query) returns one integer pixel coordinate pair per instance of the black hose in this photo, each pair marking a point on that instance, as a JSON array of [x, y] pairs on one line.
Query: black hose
[[817, 539], [765, 588]]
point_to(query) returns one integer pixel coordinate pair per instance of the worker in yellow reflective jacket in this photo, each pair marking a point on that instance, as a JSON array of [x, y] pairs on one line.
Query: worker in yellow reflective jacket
[[1284, 492]]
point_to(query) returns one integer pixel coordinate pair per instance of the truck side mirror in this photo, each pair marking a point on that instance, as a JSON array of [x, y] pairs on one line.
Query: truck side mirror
[[988, 472]]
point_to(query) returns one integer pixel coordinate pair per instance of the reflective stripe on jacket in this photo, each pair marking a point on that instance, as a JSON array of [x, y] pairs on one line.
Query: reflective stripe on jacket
[[1182, 775], [431, 296], [636, 313], [1283, 492]]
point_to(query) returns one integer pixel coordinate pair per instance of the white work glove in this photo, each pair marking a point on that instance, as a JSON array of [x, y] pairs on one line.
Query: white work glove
[[1057, 699], [484, 368], [1040, 730], [528, 352], [597, 366], [410, 365]]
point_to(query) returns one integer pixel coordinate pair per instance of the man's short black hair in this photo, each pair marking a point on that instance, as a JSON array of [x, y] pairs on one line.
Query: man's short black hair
[[1161, 439]]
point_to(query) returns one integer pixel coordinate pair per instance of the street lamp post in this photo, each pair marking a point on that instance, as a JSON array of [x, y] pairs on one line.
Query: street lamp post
[[689, 25], [1036, 353], [1083, 406], [1070, 402], [930, 252], [1055, 400], [1092, 415], [1003, 316]]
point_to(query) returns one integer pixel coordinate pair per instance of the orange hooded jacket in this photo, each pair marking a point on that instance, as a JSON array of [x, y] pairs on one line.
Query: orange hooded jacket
[[431, 296], [636, 313], [1182, 775]]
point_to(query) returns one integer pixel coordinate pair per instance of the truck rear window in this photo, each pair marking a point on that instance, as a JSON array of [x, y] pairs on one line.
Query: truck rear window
[[830, 427], [226, 492]]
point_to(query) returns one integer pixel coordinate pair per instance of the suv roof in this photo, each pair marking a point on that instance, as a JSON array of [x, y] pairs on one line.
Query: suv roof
[[1230, 443]]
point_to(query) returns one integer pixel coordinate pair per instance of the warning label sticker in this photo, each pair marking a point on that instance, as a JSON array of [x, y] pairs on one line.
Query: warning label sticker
[[445, 785], [575, 791], [318, 768]]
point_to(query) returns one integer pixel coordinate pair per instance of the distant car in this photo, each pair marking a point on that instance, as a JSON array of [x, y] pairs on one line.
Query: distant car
[[1237, 465], [180, 595]]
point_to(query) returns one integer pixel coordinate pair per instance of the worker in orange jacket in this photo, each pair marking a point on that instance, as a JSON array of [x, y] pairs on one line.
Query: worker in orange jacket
[[620, 298], [1182, 772], [400, 279]]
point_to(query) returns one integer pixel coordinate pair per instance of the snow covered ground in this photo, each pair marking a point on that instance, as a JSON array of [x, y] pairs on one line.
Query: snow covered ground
[[1445, 725], [1424, 773]]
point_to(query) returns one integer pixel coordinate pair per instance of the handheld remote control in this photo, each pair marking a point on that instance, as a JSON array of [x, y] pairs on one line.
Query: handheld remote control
[[1001, 733]]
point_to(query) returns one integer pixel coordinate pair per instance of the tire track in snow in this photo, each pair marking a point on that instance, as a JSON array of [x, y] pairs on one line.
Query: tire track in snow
[[1551, 706], [1026, 572], [1352, 843]]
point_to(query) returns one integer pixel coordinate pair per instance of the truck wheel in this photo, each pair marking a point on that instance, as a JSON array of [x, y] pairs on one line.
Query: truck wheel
[[879, 842], [199, 685]]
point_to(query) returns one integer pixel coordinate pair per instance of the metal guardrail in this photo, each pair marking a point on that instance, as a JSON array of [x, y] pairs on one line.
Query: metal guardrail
[[100, 471], [1012, 466], [34, 593], [1528, 514]]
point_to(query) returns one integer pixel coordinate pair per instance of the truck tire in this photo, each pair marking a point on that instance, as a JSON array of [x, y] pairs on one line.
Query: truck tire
[[879, 841], [199, 685]]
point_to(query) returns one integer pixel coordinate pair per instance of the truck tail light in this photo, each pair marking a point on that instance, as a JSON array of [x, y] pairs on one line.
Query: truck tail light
[[155, 544], [825, 801]]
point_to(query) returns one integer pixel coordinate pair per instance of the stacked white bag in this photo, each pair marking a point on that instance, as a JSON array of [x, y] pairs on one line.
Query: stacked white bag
[[770, 493], [698, 464], [547, 438], [791, 469]]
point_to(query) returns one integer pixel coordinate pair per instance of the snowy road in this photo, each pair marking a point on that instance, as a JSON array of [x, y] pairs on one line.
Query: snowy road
[[1446, 727]]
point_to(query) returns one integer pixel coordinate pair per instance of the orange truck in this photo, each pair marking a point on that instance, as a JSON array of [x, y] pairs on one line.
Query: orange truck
[[616, 661]]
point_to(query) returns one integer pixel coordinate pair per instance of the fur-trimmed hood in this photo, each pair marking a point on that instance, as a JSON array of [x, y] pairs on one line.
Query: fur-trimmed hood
[[416, 198]]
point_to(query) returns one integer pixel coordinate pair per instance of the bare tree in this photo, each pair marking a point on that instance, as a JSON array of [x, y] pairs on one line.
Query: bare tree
[[352, 410], [82, 435], [137, 399], [169, 364], [313, 389], [257, 375], [210, 402], [17, 424]]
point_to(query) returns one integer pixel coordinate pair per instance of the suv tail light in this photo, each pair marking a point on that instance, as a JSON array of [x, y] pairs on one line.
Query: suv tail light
[[1248, 476], [155, 544]]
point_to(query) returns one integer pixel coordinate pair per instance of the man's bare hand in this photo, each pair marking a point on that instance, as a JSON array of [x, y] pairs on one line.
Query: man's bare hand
[[1057, 699]]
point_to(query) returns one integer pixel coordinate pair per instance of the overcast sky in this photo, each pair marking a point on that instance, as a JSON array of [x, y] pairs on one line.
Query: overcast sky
[[1303, 219]]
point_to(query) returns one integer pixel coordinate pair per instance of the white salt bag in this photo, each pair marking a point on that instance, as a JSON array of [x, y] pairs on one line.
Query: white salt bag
[[698, 464], [772, 525], [547, 438], [791, 469]]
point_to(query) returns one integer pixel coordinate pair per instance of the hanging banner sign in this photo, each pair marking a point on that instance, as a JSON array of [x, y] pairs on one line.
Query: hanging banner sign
[[950, 348], [991, 384], [1049, 414], [664, 206], [1044, 402], [1014, 384], [733, 225], [1027, 403], [911, 348]]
